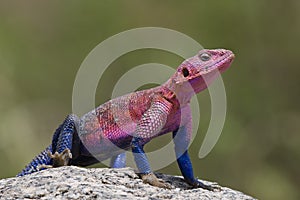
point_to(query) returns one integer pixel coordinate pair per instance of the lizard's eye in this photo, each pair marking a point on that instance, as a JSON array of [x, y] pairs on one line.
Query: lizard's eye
[[185, 72], [205, 56]]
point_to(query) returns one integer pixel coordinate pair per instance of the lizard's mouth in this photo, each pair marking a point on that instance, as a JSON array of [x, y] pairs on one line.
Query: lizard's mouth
[[206, 75], [221, 64]]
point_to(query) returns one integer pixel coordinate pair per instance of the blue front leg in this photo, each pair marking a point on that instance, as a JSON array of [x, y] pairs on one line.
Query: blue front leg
[[181, 139], [186, 168], [140, 157], [143, 164]]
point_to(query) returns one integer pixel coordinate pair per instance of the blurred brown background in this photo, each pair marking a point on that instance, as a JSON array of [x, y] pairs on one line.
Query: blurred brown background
[[42, 44]]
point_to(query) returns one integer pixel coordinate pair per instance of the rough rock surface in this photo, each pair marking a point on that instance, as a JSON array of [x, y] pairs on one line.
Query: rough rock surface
[[102, 183]]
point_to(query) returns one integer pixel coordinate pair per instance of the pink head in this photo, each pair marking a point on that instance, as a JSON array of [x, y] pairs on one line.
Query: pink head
[[197, 72]]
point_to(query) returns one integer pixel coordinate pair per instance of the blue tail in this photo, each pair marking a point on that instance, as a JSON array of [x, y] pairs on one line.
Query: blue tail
[[41, 159], [62, 139]]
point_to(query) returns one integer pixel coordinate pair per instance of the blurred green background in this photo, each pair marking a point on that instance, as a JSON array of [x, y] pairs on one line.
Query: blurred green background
[[43, 43]]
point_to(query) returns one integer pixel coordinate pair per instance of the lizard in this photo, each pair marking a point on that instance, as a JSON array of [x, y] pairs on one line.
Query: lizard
[[130, 121]]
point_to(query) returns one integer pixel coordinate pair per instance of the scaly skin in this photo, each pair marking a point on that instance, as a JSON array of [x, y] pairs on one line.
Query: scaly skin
[[130, 121]]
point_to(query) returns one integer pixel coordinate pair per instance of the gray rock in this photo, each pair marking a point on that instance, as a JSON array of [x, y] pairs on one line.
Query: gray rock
[[103, 183]]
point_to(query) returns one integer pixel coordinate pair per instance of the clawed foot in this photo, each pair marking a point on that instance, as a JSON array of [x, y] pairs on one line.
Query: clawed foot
[[153, 180], [60, 159], [210, 187]]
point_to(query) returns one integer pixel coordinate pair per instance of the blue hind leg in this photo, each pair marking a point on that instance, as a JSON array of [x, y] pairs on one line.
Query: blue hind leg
[[118, 161], [62, 142], [59, 152]]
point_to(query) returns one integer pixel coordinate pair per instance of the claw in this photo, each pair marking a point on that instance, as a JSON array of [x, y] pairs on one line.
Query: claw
[[154, 181], [40, 167], [211, 187]]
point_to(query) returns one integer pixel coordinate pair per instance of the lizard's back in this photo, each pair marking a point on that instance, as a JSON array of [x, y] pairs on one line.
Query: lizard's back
[[111, 125]]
